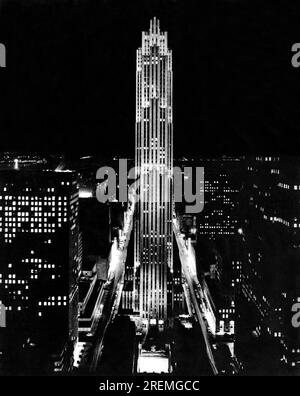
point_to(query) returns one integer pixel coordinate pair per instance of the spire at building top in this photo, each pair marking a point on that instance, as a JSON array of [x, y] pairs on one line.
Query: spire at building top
[[154, 26]]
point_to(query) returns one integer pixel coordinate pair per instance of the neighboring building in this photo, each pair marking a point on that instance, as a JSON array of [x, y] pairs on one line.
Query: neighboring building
[[92, 295], [222, 184], [40, 263], [221, 313], [153, 284], [270, 247], [218, 224], [214, 231]]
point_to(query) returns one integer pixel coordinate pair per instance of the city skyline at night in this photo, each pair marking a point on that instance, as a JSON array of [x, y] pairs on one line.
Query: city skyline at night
[[131, 244]]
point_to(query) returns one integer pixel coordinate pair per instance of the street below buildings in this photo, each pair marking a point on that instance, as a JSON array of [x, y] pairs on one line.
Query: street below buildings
[[188, 262]]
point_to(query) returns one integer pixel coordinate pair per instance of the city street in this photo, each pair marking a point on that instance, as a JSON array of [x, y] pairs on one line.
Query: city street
[[114, 286], [188, 262]]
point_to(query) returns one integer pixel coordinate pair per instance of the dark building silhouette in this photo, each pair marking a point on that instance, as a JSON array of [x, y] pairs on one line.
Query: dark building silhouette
[[270, 248], [40, 264]]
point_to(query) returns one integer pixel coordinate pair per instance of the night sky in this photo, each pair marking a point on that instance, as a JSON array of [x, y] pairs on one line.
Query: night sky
[[69, 85]]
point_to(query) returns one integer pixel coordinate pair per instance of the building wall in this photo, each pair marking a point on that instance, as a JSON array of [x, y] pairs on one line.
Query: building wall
[[40, 256], [154, 161], [271, 246]]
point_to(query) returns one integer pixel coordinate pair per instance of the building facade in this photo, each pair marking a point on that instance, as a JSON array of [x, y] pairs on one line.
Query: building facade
[[40, 262], [154, 163], [270, 246]]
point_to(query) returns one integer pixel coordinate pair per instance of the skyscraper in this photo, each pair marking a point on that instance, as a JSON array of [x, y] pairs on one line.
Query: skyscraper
[[154, 162], [40, 263], [270, 246]]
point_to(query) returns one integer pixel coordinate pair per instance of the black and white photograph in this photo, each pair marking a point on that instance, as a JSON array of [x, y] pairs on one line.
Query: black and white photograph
[[149, 191]]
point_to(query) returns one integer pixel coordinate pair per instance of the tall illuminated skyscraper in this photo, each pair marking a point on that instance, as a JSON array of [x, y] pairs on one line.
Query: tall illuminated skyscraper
[[153, 293]]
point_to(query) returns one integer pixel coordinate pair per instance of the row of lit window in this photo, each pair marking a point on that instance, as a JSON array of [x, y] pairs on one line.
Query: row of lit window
[[30, 198]]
